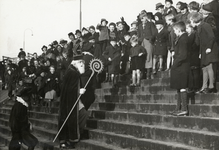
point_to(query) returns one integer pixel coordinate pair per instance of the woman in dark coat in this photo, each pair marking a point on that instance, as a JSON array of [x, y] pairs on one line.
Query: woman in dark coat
[[180, 69], [51, 87], [112, 55]]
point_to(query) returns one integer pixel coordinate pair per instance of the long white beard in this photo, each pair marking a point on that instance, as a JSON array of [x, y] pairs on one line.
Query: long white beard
[[81, 69]]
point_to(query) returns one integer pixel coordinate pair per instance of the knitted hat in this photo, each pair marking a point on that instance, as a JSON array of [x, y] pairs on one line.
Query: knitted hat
[[183, 6], [92, 27], [158, 5], [103, 20]]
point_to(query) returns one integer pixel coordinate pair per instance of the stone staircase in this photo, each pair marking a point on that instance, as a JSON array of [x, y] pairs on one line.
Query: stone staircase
[[132, 118]]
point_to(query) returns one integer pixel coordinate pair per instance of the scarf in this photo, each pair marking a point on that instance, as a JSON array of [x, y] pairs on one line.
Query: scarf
[[20, 100]]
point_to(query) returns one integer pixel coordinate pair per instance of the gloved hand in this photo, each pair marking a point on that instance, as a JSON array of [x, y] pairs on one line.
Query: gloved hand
[[82, 91]]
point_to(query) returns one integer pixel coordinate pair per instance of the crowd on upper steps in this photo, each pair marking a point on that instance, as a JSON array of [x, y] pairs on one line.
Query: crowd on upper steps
[[142, 49]]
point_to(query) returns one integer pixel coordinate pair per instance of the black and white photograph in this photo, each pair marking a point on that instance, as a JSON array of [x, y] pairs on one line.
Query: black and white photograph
[[109, 75]]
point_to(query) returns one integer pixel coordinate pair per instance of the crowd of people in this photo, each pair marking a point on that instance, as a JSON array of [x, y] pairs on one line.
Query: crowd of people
[[183, 39], [141, 49]]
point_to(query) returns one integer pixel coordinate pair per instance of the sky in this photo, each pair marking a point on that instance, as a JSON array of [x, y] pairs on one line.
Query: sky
[[39, 22]]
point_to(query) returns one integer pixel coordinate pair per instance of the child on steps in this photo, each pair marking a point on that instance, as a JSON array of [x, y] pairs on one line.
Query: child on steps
[[137, 57]]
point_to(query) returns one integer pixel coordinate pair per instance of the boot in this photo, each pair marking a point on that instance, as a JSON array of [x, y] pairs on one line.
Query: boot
[[111, 77], [107, 77], [138, 79], [184, 108], [115, 81], [149, 73], [119, 78], [178, 104], [49, 107], [133, 80]]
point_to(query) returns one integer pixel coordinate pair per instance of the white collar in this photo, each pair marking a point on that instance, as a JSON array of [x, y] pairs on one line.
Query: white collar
[[20, 100]]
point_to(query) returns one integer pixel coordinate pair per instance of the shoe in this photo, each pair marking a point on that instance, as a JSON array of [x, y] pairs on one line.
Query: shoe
[[132, 84], [206, 91], [200, 91], [174, 113], [190, 91], [154, 71], [183, 113], [212, 90], [160, 69], [63, 146]]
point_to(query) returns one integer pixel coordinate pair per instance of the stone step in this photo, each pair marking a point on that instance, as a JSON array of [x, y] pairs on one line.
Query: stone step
[[139, 98], [5, 130], [44, 144], [46, 125], [130, 142], [33, 114], [159, 89], [163, 74], [95, 145], [161, 133], [144, 83], [41, 132], [202, 110], [188, 122], [159, 98]]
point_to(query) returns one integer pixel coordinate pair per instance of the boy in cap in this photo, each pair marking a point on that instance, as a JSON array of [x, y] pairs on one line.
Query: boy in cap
[[19, 122], [160, 45], [180, 69], [193, 7], [160, 8], [104, 34], [182, 16], [169, 9], [208, 51], [137, 57], [112, 55]]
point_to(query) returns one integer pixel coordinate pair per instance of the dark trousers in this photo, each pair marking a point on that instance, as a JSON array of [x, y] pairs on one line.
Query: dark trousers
[[103, 45], [25, 137]]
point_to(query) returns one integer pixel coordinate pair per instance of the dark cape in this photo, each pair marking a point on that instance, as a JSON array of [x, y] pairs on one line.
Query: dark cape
[[20, 127], [69, 95]]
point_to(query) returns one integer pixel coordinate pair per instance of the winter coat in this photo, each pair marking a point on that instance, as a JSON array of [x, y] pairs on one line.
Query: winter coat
[[193, 51], [113, 53], [180, 69], [148, 32], [206, 39], [161, 42]]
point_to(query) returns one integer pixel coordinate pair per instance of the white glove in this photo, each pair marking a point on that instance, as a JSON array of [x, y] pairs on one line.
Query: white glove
[[82, 91], [208, 50]]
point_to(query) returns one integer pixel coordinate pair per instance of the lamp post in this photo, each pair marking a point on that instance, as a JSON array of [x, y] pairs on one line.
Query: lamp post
[[80, 15], [24, 37]]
